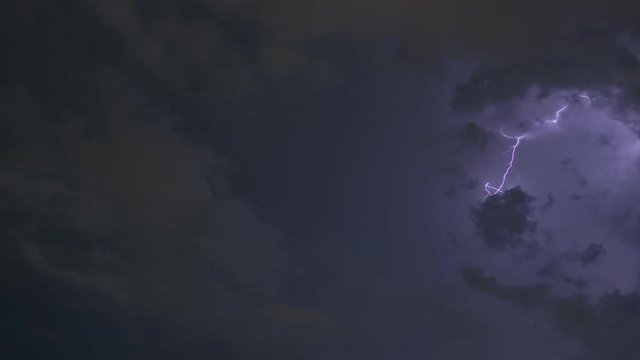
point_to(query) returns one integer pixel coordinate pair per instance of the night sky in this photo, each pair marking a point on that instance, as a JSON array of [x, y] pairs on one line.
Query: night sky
[[298, 179]]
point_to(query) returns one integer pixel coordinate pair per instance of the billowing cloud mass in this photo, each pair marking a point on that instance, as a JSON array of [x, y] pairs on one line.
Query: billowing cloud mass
[[607, 327], [204, 179], [505, 218]]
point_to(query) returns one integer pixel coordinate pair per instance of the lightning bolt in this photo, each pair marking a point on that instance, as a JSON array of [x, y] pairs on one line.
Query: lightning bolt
[[493, 190], [557, 118]]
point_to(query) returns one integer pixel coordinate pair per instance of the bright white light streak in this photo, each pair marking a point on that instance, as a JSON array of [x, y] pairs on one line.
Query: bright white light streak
[[557, 118], [493, 190]]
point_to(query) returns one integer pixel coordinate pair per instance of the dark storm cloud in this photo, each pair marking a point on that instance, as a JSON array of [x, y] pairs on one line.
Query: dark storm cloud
[[503, 219], [593, 51], [558, 267], [607, 327], [138, 214], [525, 296], [104, 201], [170, 169], [285, 42], [592, 254], [474, 136], [589, 255], [554, 271], [125, 234]]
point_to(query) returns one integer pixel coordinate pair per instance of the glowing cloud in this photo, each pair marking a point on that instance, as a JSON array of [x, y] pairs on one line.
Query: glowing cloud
[[493, 190]]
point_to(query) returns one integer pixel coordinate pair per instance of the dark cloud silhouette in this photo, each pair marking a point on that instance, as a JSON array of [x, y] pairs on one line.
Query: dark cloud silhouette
[[152, 154], [525, 296], [606, 328], [503, 219], [237, 180], [129, 225], [558, 267], [594, 54], [475, 136], [554, 270], [140, 216], [592, 254]]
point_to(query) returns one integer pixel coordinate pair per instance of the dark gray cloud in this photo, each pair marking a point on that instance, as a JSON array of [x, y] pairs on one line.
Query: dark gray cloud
[[607, 326], [142, 216], [475, 136], [525, 296], [503, 219], [592, 254], [591, 53], [132, 136], [557, 268], [554, 270], [242, 180]]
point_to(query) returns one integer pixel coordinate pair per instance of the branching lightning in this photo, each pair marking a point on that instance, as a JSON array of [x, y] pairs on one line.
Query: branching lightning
[[512, 150], [492, 190]]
